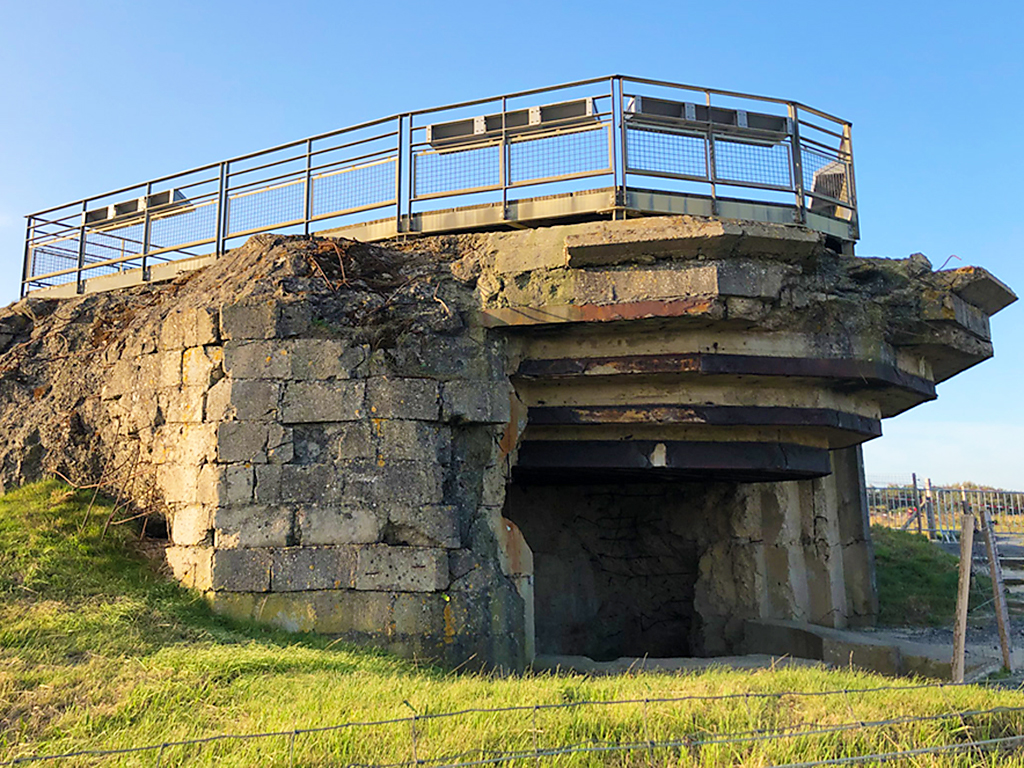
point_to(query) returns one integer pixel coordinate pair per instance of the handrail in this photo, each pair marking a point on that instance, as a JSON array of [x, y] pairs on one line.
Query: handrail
[[563, 142]]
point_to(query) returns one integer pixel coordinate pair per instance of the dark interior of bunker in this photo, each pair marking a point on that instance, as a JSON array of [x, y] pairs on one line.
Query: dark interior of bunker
[[616, 564]]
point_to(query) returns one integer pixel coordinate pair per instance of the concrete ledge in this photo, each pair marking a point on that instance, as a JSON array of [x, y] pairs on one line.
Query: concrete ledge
[[839, 648]]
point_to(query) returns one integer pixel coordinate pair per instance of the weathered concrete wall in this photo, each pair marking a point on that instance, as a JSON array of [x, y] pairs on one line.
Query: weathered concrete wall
[[329, 428], [314, 473]]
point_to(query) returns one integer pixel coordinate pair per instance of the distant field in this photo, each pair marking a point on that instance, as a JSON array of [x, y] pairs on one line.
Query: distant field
[[98, 652]]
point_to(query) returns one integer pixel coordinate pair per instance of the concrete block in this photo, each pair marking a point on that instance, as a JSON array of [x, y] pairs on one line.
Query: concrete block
[[218, 402], [477, 402], [257, 360], [242, 441], [291, 611], [252, 525], [419, 613], [173, 329], [226, 484], [191, 525], [402, 483], [863, 652], [280, 446], [294, 318], [323, 359], [168, 369], [401, 569], [326, 443], [320, 483], [316, 401], [182, 405], [494, 486], [297, 569], [391, 398], [337, 524], [241, 570], [342, 612], [186, 444], [192, 566], [200, 365], [409, 440], [203, 328], [179, 483], [239, 606], [432, 525], [268, 484], [249, 319], [255, 400]]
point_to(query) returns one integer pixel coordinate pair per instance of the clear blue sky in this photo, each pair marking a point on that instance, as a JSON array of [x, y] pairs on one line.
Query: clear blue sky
[[98, 95]]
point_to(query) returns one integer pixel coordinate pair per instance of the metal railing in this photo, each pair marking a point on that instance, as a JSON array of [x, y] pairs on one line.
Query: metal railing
[[937, 511], [713, 148]]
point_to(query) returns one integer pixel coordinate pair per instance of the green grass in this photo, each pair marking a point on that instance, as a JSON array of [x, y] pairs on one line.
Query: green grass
[[917, 581], [97, 651]]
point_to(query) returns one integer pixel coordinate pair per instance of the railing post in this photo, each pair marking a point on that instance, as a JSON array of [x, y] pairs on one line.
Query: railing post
[[411, 176], [622, 191], [503, 161], [847, 147], [798, 164], [222, 210], [307, 203], [26, 263], [710, 157], [146, 221], [398, 176], [80, 284]]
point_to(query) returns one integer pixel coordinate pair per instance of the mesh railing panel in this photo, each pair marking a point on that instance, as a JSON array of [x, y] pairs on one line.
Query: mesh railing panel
[[362, 186], [662, 152], [54, 257], [824, 174], [437, 172], [195, 224], [266, 207], [746, 163], [561, 154]]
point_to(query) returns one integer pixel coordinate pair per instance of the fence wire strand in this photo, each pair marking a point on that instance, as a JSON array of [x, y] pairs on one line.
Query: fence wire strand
[[691, 741]]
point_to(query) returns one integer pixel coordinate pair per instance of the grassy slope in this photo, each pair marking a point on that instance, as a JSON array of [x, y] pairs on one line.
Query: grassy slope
[[917, 581], [97, 651]]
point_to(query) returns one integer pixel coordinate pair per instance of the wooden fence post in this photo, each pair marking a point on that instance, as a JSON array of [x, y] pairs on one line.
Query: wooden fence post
[[998, 589], [963, 594]]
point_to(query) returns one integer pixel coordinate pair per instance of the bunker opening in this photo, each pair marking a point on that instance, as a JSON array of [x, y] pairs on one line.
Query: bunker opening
[[617, 561]]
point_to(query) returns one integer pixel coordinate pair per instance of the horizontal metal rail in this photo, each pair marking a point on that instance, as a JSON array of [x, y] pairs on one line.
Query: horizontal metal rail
[[708, 145]]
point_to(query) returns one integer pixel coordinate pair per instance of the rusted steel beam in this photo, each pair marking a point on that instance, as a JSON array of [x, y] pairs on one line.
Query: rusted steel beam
[[650, 460], [716, 415]]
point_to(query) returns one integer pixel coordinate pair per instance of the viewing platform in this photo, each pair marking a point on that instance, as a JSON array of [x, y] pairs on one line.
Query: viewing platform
[[614, 147]]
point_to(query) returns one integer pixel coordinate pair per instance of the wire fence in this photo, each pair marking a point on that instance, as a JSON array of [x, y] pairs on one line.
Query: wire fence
[[637, 134], [655, 729], [936, 511]]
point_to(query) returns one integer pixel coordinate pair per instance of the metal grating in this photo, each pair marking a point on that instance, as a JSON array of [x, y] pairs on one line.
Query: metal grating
[[362, 186], [563, 154], [437, 172], [747, 163], [662, 152]]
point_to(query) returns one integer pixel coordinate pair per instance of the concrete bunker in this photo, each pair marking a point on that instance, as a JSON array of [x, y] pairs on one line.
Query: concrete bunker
[[630, 437]]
